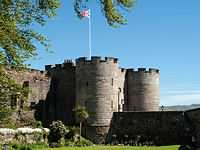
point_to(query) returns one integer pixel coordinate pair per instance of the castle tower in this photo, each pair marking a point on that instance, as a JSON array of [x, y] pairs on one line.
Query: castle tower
[[143, 90], [99, 88], [61, 99]]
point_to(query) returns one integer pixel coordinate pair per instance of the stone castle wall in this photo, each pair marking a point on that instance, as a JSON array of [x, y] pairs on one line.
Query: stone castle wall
[[36, 81], [161, 128], [193, 116]]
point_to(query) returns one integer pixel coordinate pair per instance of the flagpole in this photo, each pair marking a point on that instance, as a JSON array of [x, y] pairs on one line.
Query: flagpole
[[89, 37]]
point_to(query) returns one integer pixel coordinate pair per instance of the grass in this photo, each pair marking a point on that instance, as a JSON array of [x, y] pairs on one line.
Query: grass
[[175, 147]]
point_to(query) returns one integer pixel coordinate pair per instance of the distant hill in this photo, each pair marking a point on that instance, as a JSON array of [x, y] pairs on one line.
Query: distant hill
[[181, 107]]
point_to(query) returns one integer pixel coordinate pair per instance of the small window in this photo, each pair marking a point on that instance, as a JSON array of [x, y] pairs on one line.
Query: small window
[[112, 81], [111, 104], [86, 83]]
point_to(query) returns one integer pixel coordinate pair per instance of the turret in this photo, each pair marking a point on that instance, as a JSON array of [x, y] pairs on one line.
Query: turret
[[143, 89], [98, 84]]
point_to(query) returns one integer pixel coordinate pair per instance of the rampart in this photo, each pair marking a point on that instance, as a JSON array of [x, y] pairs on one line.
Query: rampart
[[160, 128]]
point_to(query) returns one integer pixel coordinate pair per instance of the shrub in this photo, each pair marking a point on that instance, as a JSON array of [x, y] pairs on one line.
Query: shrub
[[69, 144], [54, 145], [26, 147], [16, 145], [73, 133], [84, 142], [57, 132]]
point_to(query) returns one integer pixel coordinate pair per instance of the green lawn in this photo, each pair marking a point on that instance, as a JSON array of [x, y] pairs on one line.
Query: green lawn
[[115, 148]]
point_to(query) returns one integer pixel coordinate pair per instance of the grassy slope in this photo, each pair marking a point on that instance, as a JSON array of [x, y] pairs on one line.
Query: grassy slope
[[115, 148]]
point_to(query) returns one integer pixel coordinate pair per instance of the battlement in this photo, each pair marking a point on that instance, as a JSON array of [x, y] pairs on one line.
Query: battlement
[[143, 70], [68, 64], [96, 59]]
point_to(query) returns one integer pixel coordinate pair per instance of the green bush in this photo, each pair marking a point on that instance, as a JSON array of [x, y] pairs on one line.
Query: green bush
[[69, 144], [15, 146], [26, 147], [54, 145], [84, 142], [73, 131], [57, 132]]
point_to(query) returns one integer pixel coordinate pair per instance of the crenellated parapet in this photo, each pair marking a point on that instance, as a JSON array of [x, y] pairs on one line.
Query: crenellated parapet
[[96, 59], [68, 65], [143, 70]]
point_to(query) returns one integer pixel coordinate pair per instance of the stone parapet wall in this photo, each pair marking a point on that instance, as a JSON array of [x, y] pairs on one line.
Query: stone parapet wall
[[161, 128], [193, 117]]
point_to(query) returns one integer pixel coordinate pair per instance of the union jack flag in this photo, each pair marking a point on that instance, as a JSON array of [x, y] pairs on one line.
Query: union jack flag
[[85, 14]]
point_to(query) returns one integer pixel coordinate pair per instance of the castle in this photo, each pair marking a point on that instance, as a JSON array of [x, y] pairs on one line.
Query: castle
[[119, 101]]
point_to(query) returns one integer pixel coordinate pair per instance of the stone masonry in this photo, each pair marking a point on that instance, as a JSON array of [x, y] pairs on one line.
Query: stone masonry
[[104, 89]]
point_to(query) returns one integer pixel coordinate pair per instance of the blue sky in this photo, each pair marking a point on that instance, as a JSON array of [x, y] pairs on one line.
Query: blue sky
[[160, 34]]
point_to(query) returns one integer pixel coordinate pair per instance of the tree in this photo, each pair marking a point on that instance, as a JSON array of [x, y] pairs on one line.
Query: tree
[[113, 10], [18, 41], [81, 113]]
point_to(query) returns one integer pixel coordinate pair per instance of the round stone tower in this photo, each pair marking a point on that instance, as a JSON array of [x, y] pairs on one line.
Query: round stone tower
[[143, 90], [98, 84]]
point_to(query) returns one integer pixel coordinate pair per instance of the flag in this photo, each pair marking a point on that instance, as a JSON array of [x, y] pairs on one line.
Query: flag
[[86, 14]]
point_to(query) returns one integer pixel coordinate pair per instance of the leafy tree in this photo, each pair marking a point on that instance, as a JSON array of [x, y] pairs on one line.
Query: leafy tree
[[17, 41], [82, 114], [113, 10]]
